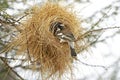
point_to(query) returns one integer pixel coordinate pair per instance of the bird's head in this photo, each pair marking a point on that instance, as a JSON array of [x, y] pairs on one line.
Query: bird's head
[[62, 32]]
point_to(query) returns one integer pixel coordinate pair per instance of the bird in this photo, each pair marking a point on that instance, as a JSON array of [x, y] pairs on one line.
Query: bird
[[63, 33]]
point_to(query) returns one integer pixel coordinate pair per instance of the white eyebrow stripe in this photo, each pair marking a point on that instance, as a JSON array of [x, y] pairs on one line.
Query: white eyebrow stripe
[[63, 36], [60, 34], [62, 25], [58, 29], [66, 37]]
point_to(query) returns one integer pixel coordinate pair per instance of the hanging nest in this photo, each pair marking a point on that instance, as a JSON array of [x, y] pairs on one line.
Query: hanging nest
[[38, 42]]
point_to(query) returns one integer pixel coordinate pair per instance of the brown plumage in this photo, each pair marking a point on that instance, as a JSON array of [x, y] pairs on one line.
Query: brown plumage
[[64, 34]]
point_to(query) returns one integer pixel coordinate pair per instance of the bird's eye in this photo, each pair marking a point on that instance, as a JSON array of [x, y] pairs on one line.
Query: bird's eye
[[60, 26], [57, 27]]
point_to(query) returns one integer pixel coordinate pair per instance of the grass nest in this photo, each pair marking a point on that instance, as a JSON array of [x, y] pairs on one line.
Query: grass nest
[[38, 42]]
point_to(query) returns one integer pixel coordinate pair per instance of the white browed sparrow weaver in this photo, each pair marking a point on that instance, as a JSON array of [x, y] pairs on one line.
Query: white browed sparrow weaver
[[63, 33]]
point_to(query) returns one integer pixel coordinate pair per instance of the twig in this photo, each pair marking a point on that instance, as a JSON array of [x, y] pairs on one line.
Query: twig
[[92, 65], [100, 20], [13, 58], [22, 17], [11, 69], [95, 30], [10, 20]]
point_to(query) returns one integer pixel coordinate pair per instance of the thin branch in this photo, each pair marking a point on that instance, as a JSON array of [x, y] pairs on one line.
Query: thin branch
[[11, 69], [95, 30], [13, 58], [100, 20], [8, 19], [26, 14], [92, 65]]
